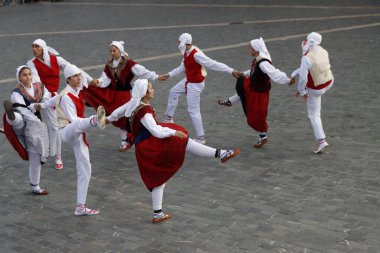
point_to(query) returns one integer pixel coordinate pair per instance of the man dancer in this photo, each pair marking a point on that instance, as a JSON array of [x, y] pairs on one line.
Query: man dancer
[[72, 128], [45, 68], [315, 78], [193, 65]]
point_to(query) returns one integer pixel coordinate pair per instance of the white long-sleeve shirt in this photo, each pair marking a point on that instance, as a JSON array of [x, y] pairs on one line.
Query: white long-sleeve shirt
[[302, 73], [148, 122], [138, 70], [274, 74], [68, 105], [156, 130], [62, 63], [203, 60]]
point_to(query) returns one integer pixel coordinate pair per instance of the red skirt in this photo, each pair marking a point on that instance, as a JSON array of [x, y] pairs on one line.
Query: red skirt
[[110, 99], [159, 159], [14, 141], [256, 107]]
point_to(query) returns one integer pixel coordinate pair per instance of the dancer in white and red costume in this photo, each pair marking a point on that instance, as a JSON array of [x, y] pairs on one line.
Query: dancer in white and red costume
[[23, 125], [72, 129], [160, 147], [193, 65], [315, 78], [253, 89], [113, 87], [45, 68]]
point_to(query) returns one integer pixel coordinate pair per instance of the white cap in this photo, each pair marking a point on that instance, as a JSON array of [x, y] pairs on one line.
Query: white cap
[[71, 70], [185, 38]]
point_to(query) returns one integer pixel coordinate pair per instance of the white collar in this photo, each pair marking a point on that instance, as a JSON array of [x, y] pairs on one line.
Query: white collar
[[72, 91]]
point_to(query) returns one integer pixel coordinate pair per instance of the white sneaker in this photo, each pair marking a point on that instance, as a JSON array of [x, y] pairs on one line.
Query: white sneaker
[[84, 211], [101, 113], [200, 139], [321, 146], [58, 163]]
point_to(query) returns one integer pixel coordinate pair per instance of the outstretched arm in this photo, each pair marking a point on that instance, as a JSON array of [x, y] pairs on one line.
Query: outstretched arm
[[156, 130], [211, 64], [273, 73], [117, 113], [141, 72]]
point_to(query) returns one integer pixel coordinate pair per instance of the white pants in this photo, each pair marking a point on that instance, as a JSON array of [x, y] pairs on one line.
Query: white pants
[[193, 97], [314, 110], [72, 135], [49, 116]]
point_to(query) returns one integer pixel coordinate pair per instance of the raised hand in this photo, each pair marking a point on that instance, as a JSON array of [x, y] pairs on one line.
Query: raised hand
[[237, 74], [163, 77]]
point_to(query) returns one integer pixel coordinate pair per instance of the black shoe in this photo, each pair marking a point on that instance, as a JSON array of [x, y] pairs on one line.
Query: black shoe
[[8, 106]]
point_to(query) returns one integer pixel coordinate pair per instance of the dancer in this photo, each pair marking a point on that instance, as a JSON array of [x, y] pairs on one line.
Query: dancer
[[112, 89], [160, 147], [253, 89], [314, 79], [45, 68], [23, 126], [72, 129], [193, 65]]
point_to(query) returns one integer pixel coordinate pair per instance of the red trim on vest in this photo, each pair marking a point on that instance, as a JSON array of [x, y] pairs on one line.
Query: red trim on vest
[[79, 105], [192, 68], [49, 76], [310, 83]]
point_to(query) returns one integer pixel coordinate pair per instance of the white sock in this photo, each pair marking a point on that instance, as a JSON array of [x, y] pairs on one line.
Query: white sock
[[157, 196], [200, 149]]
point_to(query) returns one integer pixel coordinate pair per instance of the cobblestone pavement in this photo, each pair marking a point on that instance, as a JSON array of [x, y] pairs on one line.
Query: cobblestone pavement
[[281, 198]]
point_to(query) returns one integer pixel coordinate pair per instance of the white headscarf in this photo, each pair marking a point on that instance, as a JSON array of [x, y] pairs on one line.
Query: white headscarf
[[46, 50], [71, 70], [259, 46], [120, 46], [184, 38], [313, 39], [140, 87]]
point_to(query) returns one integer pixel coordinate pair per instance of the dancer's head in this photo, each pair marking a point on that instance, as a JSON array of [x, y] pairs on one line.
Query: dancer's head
[[40, 49], [73, 76], [184, 42], [258, 48], [117, 50], [24, 75]]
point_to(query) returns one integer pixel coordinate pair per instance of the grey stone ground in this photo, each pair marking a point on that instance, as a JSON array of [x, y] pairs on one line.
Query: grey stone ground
[[282, 198]]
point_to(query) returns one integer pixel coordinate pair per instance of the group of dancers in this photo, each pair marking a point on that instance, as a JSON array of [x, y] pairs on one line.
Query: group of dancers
[[39, 116]]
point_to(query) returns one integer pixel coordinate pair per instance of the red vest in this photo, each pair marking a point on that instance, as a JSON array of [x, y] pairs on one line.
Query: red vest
[[193, 69], [48, 76], [79, 105], [122, 82]]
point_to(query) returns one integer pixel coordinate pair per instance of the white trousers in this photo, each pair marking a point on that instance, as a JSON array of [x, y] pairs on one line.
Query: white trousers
[[193, 97], [72, 135], [314, 110], [49, 116]]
